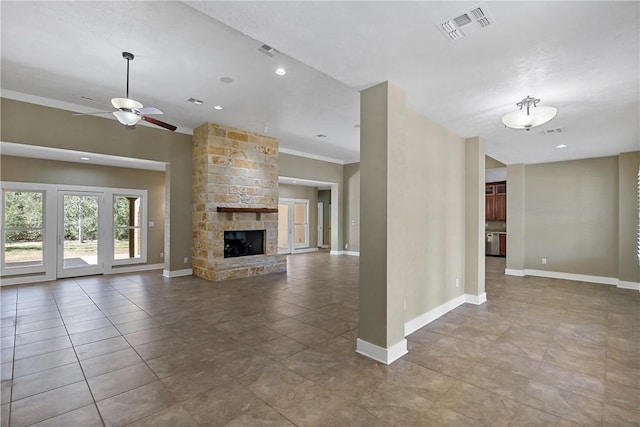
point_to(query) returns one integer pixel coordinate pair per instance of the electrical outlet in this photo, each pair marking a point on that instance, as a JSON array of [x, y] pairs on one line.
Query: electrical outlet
[[186, 260], [457, 283], [544, 260], [161, 254], [152, 224], [346, 246]]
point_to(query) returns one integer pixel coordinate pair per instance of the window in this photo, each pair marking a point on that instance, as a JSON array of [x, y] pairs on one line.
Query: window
[[128, 241], [23, 231]]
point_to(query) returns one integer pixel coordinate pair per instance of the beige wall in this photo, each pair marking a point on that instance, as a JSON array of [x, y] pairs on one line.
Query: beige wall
[[571, 216], [515, 216], [491, 163], [374, 325], [32, 124], [474, 208], [308, 193], [20, 169], [628, 262], [352, 206], [430, 212], [317, 170], [412, 204]]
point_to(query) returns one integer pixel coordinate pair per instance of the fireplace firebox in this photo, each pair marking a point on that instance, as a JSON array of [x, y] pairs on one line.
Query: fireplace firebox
[[243, 243]]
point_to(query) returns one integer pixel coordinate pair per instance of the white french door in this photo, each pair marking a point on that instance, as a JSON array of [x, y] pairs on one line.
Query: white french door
[[293, 225], [80, 233]]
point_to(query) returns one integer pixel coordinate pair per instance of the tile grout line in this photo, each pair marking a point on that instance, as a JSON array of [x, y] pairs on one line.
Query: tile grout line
[[78, 360]]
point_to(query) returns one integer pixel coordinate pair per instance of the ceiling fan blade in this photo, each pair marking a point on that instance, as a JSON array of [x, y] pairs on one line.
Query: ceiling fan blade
[[149, 111], [92, 114], [159, 123]]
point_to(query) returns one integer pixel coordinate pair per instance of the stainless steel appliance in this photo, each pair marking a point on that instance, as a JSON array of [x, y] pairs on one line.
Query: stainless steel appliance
[[492, 244]]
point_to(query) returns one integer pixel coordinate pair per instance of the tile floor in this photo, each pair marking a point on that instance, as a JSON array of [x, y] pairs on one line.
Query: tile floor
[[142, 350]]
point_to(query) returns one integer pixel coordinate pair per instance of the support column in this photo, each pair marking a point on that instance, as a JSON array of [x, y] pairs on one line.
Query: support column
[[628, 266], [381, 328], [515, 218], [474, 221]]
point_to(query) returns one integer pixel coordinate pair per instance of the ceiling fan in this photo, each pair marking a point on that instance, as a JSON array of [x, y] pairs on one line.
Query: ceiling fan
[[129, 111]]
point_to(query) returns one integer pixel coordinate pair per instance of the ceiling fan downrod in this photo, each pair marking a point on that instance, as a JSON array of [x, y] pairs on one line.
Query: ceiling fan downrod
[[129, 57]]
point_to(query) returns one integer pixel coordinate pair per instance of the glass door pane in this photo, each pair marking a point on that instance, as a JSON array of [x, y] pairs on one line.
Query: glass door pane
[[79, 235], [301, 232], [23, 226], [127, 226], [284, 246]]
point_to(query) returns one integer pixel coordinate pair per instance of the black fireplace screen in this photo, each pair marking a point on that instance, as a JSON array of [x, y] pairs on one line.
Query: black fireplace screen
[[243, 243]]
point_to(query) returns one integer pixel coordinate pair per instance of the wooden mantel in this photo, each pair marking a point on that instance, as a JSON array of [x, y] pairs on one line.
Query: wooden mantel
[[250, 210]]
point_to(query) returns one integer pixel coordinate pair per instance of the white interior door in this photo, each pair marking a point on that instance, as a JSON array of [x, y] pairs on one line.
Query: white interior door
[[293, 225], [284, 230], [80, 246], [320, 224]]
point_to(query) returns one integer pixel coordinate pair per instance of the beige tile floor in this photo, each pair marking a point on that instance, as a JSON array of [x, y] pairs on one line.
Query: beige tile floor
[[142, 350]]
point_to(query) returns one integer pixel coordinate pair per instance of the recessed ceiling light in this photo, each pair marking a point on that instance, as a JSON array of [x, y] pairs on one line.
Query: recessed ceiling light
[[281, 71], [320, 135], [293, 182], [217, 107], [195, 101], [225, 80], [561, 146], [85, 158]]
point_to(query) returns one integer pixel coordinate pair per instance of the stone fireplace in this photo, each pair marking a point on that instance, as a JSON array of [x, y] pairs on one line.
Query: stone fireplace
[[235, 191]]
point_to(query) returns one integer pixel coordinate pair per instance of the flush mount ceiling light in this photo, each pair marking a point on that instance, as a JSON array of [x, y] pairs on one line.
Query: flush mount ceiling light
[[529, 115]]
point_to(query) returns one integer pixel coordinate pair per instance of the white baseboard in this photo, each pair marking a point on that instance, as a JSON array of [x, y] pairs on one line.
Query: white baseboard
[[324, 246], [424, 319], [414, 324], [628, 285], [336, 252], [380, 354], [177, 273], [571, 276], [304, 250], [352, 253], [577, 277], [514, 272], [475, 299], [134, 268], [23, 280]]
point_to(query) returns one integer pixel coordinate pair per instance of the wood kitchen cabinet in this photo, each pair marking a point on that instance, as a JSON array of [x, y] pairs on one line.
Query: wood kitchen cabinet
[[503, 244], [495, 201]]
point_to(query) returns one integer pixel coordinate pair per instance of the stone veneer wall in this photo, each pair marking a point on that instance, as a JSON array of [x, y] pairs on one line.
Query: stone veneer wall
[[233, 168]]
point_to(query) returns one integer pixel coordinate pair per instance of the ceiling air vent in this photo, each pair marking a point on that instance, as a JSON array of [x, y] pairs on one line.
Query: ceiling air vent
[[267, 50], [465, 23], [557, 130]]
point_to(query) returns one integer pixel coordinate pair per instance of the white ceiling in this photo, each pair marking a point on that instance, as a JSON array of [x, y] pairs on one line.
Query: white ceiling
[[581, 57]]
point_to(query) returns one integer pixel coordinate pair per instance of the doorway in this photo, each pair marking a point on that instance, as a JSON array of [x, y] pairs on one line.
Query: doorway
[[293, 225], [80, 247]]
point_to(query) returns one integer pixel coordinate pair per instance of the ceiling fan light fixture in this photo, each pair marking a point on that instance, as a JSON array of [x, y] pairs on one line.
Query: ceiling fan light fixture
[[529, 115], [129, 104], [127, 118]]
